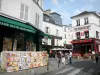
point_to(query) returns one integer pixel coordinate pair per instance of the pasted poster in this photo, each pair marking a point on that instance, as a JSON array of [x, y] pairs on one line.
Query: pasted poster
[[7, 44]]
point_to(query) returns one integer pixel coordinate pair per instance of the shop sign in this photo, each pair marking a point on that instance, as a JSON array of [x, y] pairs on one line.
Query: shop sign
[[3, 23], [82, 28]]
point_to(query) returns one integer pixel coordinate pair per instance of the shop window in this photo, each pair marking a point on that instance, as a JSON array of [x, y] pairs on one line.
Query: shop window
[[86, 34], [20, 41], [78, 35], [86, 20], [78, 22], [97, 35], [37, 20], [24, 12]]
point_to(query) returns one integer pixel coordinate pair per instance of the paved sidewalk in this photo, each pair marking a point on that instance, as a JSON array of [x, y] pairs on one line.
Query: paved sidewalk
[[53, 65]]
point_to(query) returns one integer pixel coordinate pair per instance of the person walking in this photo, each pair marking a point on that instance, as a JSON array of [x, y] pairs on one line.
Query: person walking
[[70, 57], [96, 57], [59, 58]]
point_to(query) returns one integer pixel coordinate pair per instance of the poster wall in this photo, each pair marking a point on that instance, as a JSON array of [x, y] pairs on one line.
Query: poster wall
[[21, 60]]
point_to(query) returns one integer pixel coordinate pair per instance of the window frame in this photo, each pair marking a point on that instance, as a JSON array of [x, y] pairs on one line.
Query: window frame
[[86, 33], [86, 20], [23, 12], [78, 22], [78, 35]]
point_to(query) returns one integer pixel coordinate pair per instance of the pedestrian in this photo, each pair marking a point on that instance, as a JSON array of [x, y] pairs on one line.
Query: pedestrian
[[63, 59], [59, 58], [70, 57], [96, 57]]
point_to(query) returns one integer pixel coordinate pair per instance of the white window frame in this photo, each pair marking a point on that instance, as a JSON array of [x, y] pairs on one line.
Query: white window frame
[[24, 12], [37, 19]]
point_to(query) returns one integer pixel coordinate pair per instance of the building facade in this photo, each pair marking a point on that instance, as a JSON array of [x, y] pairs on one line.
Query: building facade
[[21, 25], [53, 29], [24, 10], [86, 32]]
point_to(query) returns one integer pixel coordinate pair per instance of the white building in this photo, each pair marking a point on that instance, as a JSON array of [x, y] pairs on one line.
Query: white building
[[86, 32], [26, 10], [53, 29]]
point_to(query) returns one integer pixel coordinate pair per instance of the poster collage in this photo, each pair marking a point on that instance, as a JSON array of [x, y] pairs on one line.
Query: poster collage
[[21, 60]]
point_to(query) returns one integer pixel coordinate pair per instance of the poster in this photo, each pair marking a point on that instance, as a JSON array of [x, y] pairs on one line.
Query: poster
[[21, 60], [7, 44]]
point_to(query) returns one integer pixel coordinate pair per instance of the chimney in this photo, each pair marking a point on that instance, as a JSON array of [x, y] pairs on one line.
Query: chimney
[[48, 12]]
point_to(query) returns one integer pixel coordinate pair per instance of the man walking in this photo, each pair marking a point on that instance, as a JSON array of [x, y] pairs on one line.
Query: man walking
[[70, 57]]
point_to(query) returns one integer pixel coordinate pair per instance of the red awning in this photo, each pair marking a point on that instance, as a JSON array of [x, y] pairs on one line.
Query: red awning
[[81, 41]]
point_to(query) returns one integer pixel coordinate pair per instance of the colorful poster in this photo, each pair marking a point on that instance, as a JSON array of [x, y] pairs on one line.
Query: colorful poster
[[7, 44], [21, 60]]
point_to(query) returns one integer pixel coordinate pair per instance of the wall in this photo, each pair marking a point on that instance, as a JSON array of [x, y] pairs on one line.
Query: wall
[[91, 17], [12, 8], [53, 28]]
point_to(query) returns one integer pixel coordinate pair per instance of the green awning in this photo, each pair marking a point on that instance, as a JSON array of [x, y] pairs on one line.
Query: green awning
[[16, 24], [46, 35]]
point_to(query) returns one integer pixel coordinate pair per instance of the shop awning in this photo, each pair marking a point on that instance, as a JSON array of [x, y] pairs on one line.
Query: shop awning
[[46, 35], [16, 24], [81, 41]]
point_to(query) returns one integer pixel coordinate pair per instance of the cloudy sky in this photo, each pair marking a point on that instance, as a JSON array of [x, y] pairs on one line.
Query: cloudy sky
[[68, 8]]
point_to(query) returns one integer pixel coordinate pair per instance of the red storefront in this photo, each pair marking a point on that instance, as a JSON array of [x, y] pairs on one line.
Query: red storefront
[[83, 46]]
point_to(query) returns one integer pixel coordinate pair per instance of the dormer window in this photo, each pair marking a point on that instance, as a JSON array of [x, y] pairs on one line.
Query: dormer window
[[86, 20], [78, 22]]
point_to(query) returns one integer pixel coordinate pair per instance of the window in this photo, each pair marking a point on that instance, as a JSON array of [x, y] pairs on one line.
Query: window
[[97, 35], [47, 30], [47, 19], [37, 20], [24, 12], [57, 32], [99, 23], [86, 34], [78, 35], [78, 22], [0, 4], [86, 20], [65, 36], [57, 42], [56, 22], [65, 29]]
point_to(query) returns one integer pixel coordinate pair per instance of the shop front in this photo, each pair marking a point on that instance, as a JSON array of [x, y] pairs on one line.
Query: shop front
[[18, 45], [86, 47]]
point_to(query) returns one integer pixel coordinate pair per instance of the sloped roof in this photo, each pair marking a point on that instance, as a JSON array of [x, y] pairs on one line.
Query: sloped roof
[[86, 12]]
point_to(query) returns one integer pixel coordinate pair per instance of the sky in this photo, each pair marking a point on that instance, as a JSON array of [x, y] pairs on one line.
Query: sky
[[69, 8]]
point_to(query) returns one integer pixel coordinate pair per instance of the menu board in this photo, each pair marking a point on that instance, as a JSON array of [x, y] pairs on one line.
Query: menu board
[[20, 60], [7, 44]]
